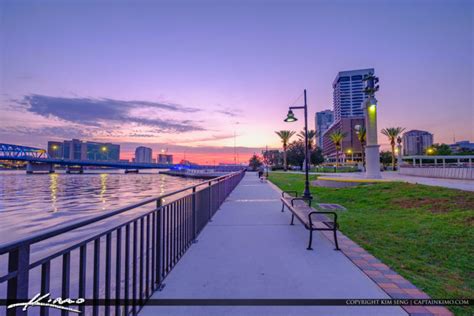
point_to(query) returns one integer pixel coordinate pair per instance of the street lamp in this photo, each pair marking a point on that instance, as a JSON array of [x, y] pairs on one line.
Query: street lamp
[[290, 117], [104, 150], [350, 152]]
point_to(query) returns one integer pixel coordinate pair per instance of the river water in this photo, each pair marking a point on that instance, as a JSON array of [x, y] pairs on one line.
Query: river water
[[33, 203]]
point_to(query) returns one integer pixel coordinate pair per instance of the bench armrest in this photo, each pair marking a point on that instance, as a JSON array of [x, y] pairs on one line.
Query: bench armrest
[[301, 199], [323, 212], [288, 193]]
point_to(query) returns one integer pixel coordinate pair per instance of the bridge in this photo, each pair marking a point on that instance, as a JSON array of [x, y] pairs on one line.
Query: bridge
[[39, 161]]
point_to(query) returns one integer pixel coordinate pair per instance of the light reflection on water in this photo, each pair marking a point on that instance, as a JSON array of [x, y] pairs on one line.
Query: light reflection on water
[[31, 203]]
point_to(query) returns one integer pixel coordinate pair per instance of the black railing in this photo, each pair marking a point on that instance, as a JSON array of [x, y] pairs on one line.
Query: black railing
[[128, 261]]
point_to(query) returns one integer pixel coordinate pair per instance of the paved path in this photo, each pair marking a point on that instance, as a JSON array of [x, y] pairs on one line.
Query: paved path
[[466, 185], [249, 250]]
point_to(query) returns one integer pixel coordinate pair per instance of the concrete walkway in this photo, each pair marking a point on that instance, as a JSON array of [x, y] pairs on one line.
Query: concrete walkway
[[249, 250]]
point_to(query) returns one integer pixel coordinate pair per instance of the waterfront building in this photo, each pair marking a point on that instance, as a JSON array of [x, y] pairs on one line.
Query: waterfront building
[[143, 154], [102, 151], [350, 143], [165, 159], [79, 150], [323, 120], [348, 94], [462, 146], [415, 142], [55, 149]]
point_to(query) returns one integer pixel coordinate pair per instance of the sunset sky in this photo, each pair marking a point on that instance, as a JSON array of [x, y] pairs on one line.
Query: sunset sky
[[189, 75]]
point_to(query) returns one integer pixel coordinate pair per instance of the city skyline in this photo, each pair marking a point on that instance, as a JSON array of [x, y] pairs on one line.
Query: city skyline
[[197, 78]]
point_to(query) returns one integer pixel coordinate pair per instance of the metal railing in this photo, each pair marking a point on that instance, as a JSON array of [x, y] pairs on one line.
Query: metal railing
[[130, 260]]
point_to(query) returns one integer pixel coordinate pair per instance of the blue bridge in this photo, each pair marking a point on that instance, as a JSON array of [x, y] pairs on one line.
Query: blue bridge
[[39, 161]]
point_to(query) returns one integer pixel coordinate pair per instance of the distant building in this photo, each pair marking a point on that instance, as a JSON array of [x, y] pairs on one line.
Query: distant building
[[273, 157], [415, 142], [55, 149], [348, 94], [79, 150], [462, 146], [323, 121], [143, 154], [350, 142], [165, 159]]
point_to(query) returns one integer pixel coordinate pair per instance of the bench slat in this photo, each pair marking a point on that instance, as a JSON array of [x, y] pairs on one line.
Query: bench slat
[[301, 210]]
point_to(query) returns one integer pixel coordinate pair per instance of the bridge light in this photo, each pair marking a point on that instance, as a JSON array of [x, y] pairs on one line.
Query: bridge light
[[104, 148]]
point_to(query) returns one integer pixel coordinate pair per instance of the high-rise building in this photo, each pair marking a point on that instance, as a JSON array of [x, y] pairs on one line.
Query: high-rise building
[[323, 120], [143, 154], [348, 94], [79, 150], [415, 142], [350, 143], [165, 159]]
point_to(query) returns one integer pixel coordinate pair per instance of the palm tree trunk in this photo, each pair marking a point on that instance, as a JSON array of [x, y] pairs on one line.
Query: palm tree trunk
[[393, 157], [337, 159], [363, 157], [285, 166]]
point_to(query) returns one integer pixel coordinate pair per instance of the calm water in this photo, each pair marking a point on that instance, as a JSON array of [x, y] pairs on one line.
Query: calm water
[[31, 203]]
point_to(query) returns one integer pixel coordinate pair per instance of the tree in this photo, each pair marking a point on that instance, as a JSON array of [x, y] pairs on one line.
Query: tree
[[392, 134], [285, 138], [296, 153], [385, 158], [362, 137], [337, 137], [311, 137], [441, 150], [255, 162], [317, 156]]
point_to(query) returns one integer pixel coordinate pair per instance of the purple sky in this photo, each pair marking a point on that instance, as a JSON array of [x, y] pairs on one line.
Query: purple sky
[[186, 75]]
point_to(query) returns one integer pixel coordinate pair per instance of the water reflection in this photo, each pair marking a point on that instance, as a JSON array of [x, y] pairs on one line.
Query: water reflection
[[53, 187], [103, 188], [31, 203]]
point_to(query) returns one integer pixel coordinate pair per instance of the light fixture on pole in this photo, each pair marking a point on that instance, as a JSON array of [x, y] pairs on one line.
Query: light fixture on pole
[[290, 117]]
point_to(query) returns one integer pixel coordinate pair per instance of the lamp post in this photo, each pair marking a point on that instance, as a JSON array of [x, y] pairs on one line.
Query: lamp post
[[291, 118]]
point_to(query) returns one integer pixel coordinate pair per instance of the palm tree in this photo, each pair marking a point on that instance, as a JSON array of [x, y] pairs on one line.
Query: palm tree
[[337, 137], [311, 137], [392, 133], [362, 137], [285, 138]]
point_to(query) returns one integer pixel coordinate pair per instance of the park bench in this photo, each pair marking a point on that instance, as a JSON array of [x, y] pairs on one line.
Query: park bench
[[312, 219]]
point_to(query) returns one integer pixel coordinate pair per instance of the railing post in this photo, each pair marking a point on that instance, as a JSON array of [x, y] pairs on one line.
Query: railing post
[[159, 203], [210, 201], [17, 288], [194, 214]]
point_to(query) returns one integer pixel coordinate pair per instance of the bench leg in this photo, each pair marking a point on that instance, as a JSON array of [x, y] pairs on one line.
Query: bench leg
[[292, 218], [282, 207], [335, 239], [310, 240]]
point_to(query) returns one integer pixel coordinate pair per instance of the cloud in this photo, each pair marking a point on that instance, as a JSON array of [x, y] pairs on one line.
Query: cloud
[[102, 112], [230, 112]]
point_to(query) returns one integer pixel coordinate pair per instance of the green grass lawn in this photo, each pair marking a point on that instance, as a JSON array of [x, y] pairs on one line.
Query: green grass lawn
[[424, 233]]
